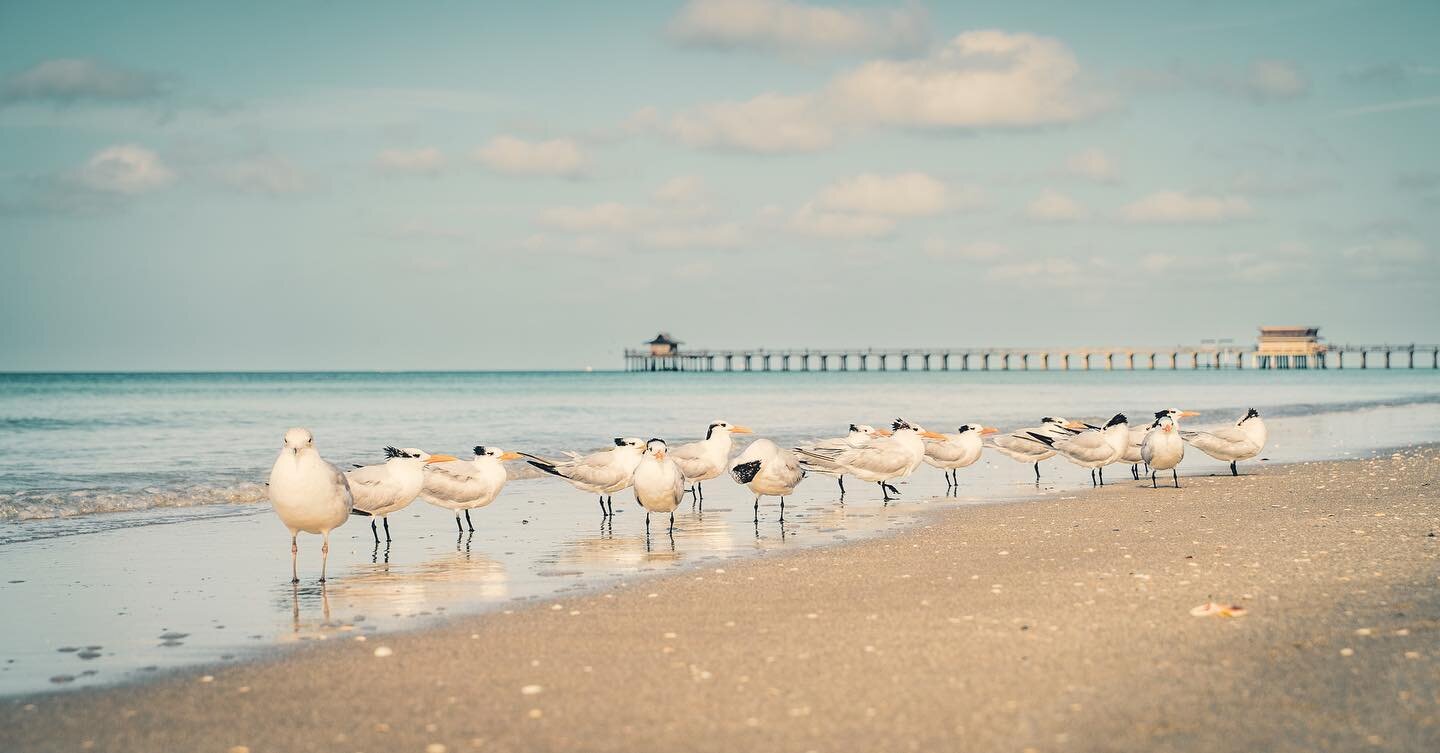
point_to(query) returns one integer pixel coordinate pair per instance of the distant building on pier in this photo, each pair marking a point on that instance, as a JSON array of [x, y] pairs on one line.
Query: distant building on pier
[[1289, 348], [664, 345]]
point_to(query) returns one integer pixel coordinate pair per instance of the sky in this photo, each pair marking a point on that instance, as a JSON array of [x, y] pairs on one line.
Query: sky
[[437, 185]]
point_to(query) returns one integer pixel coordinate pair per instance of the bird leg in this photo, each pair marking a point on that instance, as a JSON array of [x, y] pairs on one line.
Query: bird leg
[[294, 553], [459, 527], [387, 529], [1175, 475], [757, 508], [602, 504], [324, 555], [1152, 480], [1135, 471], [1102, 475], [647, 522], [699, 492], [1092, 477], [468, 524], [1037, 472], [892, 489], [1233, 470], [884, 493], [373, 532], [672, 521], [841, 479], [782, 509]]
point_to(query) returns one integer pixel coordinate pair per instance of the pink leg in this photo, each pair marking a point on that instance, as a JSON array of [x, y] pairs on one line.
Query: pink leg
[[294, 551], [324, 556]]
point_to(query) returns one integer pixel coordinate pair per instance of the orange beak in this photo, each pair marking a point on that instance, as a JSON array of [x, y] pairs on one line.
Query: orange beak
[[1076, 425], [440, 459], [659, 454], [884, 432], [741, 430], [510, 456], [931, 435], [986, 431], [1189, 413]]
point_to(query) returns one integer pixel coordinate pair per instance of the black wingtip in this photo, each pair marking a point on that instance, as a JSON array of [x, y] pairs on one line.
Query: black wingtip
[[547, 467], [745, 472], [1041, 438], [359, 513]]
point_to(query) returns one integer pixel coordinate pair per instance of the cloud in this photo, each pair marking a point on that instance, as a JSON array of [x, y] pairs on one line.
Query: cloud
[[421, 161], [909, 194], [69, 80], [1093, 164], [1276, 80], [678, 219], [768, 123], [1051, 206], [266, 174], [1050, 272], [1394, 74], [819, 223], [981, 79], [723, 235], [682, 189], [1178, 207], [609, 216], [1418, 103], [124, 169], [939, 248], [792, 27], [513, 156]]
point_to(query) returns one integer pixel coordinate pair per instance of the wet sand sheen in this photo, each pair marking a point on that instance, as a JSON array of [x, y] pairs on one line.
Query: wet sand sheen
[[1060, 624]]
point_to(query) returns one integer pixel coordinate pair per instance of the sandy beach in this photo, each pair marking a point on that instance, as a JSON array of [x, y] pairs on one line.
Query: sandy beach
[[1062, 624]]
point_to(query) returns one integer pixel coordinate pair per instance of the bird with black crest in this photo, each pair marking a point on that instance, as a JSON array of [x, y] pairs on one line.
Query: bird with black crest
[[386, 488], [883, 460], [768, 471], [1093, 448], [465, 485], [1243, 441]]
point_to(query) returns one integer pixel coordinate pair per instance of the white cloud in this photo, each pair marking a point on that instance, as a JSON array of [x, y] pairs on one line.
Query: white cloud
[[69, 80], [610, 216], [1178, 207], [939, 248], [266, 174], [981, 79], [767, 123], [513, 156], [682, 189], [724, 235], [1276, 80], [1051, 206], [820, 223], [903, 194], [1094, 164], [1050, 272], [792, 27], [125, 169], [420, 161]]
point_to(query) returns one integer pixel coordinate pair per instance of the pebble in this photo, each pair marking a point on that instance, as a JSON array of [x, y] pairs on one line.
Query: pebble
[[531, 690], [238, 749], [1347, 651], [383, 651], [435, 748]]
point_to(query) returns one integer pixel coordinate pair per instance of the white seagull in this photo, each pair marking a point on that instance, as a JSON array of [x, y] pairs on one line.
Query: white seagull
[[957, 450], [467, 484], [1243, 441], [602, 473], [309, 495], [659, 482], [1163, 449], [1093, 448], [883, 460], [859, 436], [769, 472], [708, 458], [390, 487], [1021, 447]]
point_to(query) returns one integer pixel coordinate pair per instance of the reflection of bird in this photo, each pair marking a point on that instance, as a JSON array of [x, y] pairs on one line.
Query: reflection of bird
[[1093, 448], [1163, 449], [467, 484], [1243, 441], [659, 482], [390, 487], [957, 450], [602, 473], [769, 472], [882, 460], [708, 458], [1021, 447], [309, 495], [859, 436]]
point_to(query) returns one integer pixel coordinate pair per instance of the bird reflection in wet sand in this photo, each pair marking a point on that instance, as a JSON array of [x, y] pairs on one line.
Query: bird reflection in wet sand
[[325, 626]]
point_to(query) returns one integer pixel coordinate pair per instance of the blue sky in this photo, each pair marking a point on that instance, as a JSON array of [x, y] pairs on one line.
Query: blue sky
[[456, 185]]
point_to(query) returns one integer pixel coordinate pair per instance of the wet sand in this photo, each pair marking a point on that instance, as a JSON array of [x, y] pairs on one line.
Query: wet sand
[[1060, 624]]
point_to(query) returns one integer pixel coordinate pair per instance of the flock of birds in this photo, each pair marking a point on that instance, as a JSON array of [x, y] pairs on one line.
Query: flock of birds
[[312, 495]]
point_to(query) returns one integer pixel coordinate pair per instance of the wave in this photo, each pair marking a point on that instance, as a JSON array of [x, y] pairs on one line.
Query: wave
[[47, 505]]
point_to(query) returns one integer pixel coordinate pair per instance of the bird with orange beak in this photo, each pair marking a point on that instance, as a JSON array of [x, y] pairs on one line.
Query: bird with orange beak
[[882, 460], [708, 458], [390, 487], [957, 451], [467, 484], [658, 481]]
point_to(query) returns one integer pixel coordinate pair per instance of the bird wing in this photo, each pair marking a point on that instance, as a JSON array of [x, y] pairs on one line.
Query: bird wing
[[451, 481], [1089, 446], [691, 451]]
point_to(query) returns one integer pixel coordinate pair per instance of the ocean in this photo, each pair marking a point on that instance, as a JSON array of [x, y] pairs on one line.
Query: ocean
[[132, 505]]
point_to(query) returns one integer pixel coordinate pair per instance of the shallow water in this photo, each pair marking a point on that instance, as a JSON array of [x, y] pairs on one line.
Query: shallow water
[[137, 540]]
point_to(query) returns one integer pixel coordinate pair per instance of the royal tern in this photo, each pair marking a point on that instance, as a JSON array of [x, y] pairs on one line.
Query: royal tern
[[1093, 448], [1243, 441], [308, 494], [1163, 449], [467, 484], [1137, 437], [882, 460], [659, 482], [1021, 447], [957, 450], [769, 472], [602, 473], [859, 436], [390, 487], [708, 458]]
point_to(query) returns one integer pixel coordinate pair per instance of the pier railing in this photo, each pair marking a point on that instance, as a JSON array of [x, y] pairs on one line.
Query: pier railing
[[1039, 359]]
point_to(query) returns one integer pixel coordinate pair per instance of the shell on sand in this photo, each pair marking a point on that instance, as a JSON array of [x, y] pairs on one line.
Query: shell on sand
[[1213, 609]]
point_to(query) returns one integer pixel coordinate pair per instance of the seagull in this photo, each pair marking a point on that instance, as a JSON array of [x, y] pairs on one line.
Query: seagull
[[467, 484], [882, 460], [1243, 441], [1163, 449], [859, 436], [957, 450], [659, 482], [1022, 448], [769, 472], [390, 486], [708, 458], [1094, 448], [309, 494], [602, 473]]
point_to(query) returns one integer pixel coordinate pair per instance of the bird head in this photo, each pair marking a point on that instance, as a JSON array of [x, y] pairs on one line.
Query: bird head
[[298, 439], [725, 427], [656, 448], [481, 451]]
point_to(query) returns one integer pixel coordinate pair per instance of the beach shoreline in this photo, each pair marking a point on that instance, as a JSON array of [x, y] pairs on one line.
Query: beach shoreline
[[1054, 624]]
